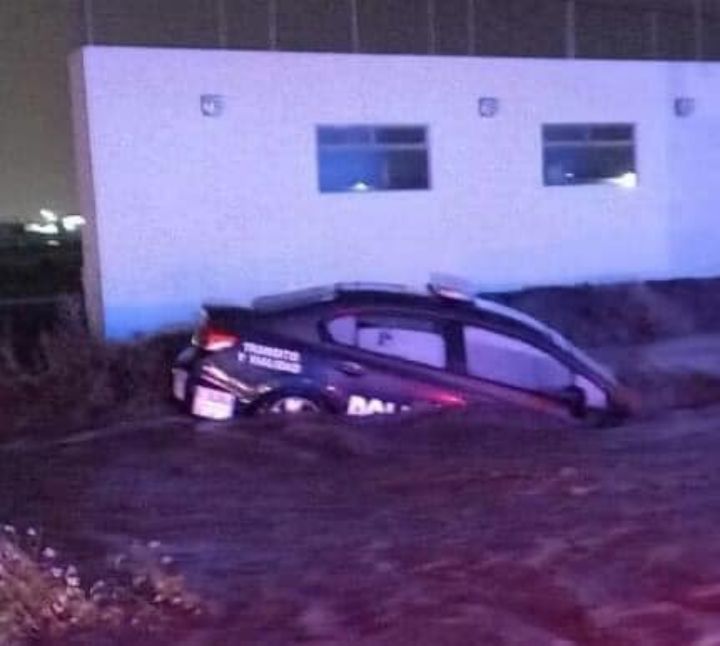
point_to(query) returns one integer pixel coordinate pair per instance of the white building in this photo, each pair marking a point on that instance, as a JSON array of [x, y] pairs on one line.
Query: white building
[[216, 175]]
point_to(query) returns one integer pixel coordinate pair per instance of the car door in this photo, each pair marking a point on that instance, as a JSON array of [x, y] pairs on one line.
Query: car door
[[498, 366], [388, 361]]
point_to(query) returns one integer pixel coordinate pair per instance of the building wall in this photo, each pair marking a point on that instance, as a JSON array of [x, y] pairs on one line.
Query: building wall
[[694, 151], [187, 208]]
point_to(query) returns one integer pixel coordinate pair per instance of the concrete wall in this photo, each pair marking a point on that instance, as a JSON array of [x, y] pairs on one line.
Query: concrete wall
[[188, 208], [694, 177]]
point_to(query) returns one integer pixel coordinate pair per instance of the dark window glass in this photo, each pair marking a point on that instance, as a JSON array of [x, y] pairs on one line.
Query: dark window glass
[[344, 135], [366, 158], [415, 340], [565, 133], [589, 154], [400, 135], [568, 133], [509, 361], [406, 169], [611, 133]]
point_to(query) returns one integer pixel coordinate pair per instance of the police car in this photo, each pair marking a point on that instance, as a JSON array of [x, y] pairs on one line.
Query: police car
[[365, 349]]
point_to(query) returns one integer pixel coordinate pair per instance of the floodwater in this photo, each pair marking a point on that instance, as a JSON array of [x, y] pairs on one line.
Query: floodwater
[[439, 530]]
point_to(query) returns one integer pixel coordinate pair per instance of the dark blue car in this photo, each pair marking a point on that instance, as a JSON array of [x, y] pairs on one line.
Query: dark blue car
[[363, 349]]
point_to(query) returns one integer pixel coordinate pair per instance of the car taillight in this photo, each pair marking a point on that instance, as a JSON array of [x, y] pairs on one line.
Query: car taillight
[[212, 338]]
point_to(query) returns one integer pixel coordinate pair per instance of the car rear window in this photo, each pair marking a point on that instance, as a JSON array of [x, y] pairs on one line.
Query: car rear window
[[403, 337]]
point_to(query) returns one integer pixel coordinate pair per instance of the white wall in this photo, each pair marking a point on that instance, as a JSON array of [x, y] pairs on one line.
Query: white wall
[[694, 150], [189, 208]]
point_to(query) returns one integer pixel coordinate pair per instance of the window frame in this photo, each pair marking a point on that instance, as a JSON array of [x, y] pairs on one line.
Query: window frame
[[372, 145], [589, 137]]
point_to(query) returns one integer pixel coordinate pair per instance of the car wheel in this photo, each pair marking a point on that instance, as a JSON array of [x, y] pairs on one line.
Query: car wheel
[[290, 405]]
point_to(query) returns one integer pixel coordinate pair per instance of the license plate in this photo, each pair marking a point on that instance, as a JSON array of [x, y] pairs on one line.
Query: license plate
[[212, 404], [179, 384]]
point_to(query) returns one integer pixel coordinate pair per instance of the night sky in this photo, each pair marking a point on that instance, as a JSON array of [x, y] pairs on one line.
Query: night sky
[[35, 133]]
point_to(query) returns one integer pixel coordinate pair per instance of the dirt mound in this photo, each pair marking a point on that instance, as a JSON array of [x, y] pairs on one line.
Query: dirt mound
[[74, 381], [623, 313]]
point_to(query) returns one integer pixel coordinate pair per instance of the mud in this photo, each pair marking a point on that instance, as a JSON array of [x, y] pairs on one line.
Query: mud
[[428, 531]]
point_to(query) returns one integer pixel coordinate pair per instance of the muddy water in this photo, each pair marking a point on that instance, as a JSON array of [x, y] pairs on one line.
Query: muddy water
[[442, 533]]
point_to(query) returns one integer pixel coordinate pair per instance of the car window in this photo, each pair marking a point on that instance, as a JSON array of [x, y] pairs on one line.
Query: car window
[[407, 338], [507, 360]]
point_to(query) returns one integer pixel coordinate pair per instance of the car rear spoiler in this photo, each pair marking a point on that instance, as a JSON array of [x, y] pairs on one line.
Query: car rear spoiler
[[228, 316]]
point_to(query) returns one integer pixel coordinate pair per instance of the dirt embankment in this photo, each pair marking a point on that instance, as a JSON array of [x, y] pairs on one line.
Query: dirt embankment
[[444, 529], [69, 380], [624, 313]]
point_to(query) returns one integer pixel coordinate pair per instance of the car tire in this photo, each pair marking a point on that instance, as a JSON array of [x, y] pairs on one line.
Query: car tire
[[290, 404]]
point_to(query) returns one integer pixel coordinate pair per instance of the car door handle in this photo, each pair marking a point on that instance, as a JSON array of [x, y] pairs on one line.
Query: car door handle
[[351, 368]]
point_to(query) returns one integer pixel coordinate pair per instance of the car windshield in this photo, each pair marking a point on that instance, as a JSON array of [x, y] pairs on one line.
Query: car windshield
[[558, 339]]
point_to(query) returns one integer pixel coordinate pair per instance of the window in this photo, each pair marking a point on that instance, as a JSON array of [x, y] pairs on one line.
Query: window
[[411, 339], [589, 154], [372, 158], [509, 361]]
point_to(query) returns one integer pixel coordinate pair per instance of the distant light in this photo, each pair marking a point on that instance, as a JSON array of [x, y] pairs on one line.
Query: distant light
[[72, 222], [360, 186], [48, 215], [46, 229], [53, 243], [626, 180]]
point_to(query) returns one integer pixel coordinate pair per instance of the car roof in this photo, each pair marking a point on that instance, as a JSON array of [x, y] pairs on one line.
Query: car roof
[[438, 298], [326, 293], [441, 301]]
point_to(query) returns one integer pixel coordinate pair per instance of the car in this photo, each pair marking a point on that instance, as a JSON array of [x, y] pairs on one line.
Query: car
[[376, 349]]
